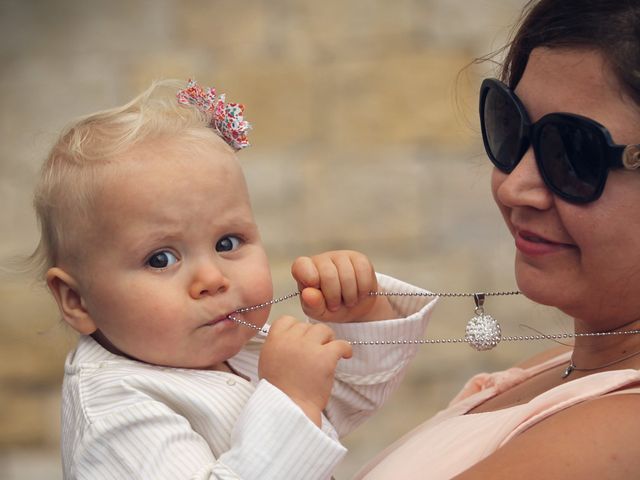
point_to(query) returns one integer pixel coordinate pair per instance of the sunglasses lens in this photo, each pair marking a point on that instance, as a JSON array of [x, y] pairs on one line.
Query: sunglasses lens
[[571, 159], [502, 129]]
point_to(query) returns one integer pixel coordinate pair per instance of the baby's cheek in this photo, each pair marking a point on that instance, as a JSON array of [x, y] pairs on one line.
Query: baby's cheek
[[261, 288]]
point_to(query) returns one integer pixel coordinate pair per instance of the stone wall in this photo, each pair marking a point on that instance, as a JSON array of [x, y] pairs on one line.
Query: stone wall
[[365, 137]]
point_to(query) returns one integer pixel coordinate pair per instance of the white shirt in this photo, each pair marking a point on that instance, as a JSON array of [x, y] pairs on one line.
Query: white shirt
[[124, 419]]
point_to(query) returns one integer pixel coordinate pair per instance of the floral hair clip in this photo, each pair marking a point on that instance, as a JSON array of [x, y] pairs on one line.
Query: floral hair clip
[[225, 118]]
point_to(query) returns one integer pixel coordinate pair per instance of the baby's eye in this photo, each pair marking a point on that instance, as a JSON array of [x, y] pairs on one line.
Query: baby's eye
[[228, 243], [161, 259]]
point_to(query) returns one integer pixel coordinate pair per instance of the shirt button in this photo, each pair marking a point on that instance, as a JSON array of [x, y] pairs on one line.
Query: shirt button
[[231, 382]]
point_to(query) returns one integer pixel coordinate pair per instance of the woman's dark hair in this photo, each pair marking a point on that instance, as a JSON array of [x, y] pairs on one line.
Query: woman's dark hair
[[610, 26]]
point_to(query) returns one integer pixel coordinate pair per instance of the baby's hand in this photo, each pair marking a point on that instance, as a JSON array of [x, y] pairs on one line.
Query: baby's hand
[[335, 287], [300, 359]]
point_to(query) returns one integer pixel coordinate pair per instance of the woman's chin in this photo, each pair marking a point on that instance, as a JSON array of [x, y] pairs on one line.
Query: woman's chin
[[540, 291]]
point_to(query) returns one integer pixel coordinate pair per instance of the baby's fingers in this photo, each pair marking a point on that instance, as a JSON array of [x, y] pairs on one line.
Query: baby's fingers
[[356, 277], [347, 282], [364, 273], [329, 280]]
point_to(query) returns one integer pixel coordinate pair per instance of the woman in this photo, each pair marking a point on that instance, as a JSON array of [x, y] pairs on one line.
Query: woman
[[569, 193]]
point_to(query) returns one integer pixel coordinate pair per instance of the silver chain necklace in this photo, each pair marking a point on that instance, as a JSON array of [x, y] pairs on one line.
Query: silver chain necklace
[[572, 366], [483, 332]]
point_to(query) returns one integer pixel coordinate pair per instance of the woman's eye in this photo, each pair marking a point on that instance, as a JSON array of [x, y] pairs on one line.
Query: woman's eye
[[162, 259], [228, 243]]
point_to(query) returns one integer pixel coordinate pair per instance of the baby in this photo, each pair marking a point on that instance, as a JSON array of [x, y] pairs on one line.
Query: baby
[[149, 247]]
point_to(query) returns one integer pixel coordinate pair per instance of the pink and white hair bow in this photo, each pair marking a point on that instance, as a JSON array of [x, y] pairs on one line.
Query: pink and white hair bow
[[225, 118]]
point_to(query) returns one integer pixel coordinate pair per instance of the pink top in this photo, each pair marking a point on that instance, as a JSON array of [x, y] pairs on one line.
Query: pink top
[[453, 441]]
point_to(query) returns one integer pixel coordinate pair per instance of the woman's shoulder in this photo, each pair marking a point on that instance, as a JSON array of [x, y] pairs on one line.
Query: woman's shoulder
[[597, 438], [590, 423]]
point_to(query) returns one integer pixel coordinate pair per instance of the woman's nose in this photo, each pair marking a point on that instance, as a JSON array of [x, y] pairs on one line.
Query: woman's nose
[[208, 279], [524, 186]]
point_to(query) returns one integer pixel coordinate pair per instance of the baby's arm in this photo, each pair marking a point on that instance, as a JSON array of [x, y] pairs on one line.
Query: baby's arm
[[335, 288], [376, 369], [300, 358]]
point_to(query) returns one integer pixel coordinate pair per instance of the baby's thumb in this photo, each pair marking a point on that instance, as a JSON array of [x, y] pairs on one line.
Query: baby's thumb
[[313, 304], [342, 348]]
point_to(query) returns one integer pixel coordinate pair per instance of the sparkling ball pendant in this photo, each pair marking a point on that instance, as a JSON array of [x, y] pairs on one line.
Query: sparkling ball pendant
[[483, 332]]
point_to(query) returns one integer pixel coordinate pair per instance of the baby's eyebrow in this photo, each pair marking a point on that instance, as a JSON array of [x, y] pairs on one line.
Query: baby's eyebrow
[[241, 225], [231, 220], [146, 241]]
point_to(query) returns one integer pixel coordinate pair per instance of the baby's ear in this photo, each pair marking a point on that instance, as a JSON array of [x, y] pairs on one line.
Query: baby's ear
[[70, 302]]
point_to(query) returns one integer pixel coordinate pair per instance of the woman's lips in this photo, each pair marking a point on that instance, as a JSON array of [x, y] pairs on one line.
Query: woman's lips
[[531, 244]]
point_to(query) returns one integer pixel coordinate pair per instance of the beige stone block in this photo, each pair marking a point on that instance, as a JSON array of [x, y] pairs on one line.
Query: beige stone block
[[399, 99], [224, 28], [281, 102], [353, 204], [29, 417], [33, 342]]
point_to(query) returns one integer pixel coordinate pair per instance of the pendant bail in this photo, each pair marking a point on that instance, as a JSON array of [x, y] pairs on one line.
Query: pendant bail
[[478, 298]]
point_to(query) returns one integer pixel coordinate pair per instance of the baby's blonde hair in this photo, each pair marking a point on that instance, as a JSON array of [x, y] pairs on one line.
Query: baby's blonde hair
[[66, 188]]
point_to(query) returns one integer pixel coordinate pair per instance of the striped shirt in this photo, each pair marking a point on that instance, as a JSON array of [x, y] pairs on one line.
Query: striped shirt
[[124, 419]]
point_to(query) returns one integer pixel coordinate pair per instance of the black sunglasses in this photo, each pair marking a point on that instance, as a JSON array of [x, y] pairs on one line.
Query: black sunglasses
[[573, 153]]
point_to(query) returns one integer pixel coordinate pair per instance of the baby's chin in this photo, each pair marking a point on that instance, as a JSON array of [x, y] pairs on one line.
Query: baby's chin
[[217, 360]]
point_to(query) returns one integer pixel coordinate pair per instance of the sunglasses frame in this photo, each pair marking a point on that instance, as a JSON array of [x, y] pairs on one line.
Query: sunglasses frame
[[611, 154]]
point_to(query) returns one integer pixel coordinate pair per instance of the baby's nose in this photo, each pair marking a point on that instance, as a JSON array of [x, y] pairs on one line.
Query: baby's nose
[[208, 280]]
